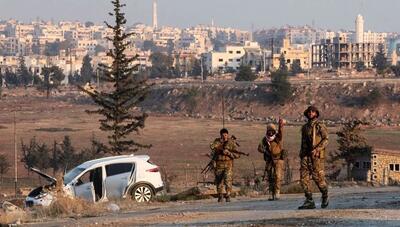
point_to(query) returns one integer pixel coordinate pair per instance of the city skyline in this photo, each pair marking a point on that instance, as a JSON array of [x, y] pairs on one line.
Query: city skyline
[[328, 14]]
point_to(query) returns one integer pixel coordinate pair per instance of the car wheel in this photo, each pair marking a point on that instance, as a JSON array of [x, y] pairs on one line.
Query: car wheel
[[142, 193]]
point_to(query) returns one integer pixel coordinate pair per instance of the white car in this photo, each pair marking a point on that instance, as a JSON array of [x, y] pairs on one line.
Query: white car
[[103, 179]]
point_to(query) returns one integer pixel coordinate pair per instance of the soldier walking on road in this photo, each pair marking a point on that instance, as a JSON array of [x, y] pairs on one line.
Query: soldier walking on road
[[314, 139], [222, 152], [272, 148]]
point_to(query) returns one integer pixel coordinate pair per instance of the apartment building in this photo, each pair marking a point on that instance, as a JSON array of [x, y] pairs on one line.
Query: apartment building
[[231, 57], [292, 53], [228, 59], [343, 54]]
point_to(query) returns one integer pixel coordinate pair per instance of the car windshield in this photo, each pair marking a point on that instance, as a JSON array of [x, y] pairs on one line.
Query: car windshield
[[72, 174]]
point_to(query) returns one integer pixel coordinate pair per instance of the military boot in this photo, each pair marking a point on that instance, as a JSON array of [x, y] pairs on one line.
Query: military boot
[[220, 198], [308, 204], [271, 197], [228, 199], [325, 199]]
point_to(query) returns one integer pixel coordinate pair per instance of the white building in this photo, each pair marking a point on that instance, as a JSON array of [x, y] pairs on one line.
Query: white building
[[359, 29], [89, 45], [155, 16], [166, 35], [360, 36], [232, 57], [374, 37]]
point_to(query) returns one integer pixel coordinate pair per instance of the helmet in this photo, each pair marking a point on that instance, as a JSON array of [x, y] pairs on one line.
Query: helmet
[[311, 108], [271, 127]]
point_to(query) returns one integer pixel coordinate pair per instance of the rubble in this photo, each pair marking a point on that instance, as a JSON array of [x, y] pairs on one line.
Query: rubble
[[11, 208], [112, 207]]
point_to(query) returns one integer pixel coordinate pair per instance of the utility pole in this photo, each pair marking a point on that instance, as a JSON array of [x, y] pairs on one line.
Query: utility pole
[[186, 66], [223, 109], [272, 53], [70, 60], [97, 76], [202, 69], [15, 155], [310, 62], [265, 62]]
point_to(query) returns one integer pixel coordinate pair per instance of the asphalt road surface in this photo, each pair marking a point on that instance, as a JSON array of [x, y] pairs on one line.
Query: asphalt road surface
[[353, 206]]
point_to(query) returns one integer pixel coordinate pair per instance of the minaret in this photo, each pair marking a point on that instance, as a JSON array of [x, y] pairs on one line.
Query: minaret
[[155, 19], [359, 29]]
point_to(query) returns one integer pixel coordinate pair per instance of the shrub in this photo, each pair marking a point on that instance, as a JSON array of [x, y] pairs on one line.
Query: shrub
[[245, 74]]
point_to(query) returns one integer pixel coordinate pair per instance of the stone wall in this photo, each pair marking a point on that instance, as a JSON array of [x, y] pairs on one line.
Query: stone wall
[[385, 167]]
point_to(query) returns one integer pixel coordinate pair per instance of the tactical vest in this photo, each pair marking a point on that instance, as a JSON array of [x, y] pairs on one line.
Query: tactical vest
[[312, 137], [272, 150], [229, 145]]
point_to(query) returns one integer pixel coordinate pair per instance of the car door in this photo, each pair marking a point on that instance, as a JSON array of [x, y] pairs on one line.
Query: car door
[[118, 176], [83, 188]]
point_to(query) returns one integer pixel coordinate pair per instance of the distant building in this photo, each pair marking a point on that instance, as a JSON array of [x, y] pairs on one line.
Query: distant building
[[292, 53], [381, 166], [231, 57], [360, 36], [359, 29], [88, 45], [342, 54], [155, 16]]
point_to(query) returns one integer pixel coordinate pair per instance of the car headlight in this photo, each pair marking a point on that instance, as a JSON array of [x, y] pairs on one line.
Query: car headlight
[[41, 195]]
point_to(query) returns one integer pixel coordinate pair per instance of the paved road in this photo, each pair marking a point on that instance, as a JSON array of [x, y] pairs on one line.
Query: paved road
[[349, 207]]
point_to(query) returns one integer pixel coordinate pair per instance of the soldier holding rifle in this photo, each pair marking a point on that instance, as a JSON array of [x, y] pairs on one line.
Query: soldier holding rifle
[[223, 152], [314, 139]]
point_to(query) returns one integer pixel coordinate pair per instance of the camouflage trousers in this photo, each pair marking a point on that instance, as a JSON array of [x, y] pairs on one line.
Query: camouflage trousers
[[274, 174], [223, 177], [313, 168]]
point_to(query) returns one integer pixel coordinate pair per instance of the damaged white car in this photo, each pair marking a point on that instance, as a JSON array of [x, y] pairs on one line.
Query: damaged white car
[[103, 179]]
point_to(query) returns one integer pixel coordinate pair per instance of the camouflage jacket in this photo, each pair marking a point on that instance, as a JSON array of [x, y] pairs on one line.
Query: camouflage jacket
[[314, 135], [222, 151], [272, 150]]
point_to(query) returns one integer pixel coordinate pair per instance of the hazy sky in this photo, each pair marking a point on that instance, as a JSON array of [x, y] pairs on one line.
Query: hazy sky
[[379, 15]]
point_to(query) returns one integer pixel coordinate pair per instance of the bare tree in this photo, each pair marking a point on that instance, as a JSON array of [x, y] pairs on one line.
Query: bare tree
[[4, 166]]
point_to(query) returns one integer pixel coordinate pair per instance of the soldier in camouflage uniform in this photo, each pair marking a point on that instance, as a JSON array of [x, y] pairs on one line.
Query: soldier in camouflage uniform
[[314, 139], [272, 148], [221, 153]]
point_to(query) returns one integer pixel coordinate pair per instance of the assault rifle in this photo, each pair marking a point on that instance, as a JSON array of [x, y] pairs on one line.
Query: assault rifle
[[237, 144], [211, 166]]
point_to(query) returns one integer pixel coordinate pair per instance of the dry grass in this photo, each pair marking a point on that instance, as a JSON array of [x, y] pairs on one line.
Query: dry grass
[[12, 218], [68, 207]]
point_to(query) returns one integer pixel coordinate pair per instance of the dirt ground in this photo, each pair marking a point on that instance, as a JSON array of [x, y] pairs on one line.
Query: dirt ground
[[179, 144], [353, 206]]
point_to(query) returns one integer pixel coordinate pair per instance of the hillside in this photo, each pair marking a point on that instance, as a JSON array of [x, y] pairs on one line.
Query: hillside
[[337, 101]]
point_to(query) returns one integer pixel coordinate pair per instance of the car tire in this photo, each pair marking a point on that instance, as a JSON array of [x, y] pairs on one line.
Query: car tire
[[142, 193]]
